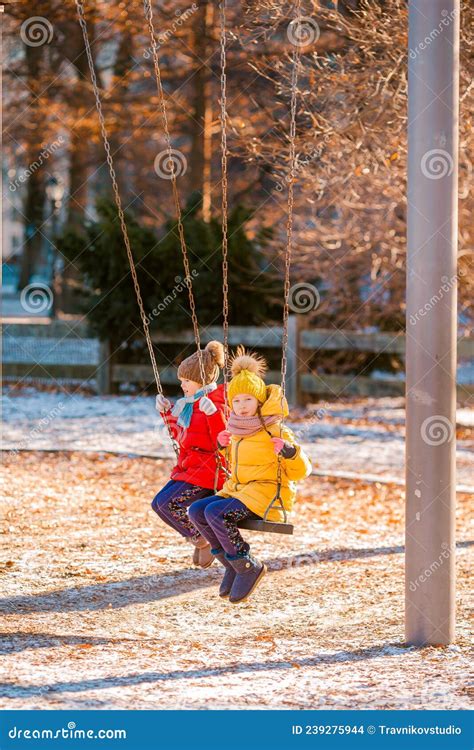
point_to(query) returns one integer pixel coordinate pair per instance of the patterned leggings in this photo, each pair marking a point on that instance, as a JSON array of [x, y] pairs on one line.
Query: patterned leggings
[[217, 518], [172, 502]]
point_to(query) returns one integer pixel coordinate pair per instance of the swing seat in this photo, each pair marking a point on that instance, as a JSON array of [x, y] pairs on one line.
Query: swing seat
[[267, 527], [270, 527]]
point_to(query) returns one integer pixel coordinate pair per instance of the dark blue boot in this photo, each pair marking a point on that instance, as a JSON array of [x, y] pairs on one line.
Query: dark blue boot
[[229, 574], [249, 573]]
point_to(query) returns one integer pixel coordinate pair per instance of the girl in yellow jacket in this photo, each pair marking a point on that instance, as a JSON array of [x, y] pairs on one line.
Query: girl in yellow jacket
[[257, 443]]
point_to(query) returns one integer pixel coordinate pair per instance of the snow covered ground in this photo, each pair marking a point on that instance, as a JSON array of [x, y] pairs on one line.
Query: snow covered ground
[[101, 607], [364, 439]]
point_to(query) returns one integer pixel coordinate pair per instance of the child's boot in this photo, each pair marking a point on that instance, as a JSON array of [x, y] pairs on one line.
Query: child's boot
[[249, 573], [202, 555], [229, 574]]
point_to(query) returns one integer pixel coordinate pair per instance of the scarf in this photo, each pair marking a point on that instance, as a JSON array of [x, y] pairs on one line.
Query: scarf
[[246, 426], [183, 408]]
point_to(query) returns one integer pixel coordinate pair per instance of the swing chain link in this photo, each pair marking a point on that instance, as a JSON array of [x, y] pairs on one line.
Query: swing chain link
[[118, 202], [179, 218], [289, 243], [225, 264], [289, 224], [224, 211], [291, 181]]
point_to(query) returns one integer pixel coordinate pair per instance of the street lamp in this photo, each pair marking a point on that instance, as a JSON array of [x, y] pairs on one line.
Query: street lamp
[[55, 192]]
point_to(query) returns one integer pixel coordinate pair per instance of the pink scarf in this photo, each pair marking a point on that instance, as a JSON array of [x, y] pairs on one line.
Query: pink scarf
[[245, 426]]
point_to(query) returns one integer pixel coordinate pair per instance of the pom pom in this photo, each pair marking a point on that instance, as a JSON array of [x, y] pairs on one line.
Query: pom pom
[[216, 350], [247, 361]]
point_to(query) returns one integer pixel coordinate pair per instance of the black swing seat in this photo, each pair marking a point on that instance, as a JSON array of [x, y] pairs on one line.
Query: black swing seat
[[271, 527]]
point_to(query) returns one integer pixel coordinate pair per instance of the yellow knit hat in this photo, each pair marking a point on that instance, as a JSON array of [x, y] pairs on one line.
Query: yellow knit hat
[[246, 370]]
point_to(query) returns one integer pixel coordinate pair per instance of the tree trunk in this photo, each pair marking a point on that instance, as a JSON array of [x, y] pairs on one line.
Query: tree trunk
[[79, 160], [201, 136], [33, 206], [123, 64]]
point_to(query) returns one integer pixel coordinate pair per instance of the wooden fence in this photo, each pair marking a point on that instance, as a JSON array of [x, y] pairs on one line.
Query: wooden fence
[[65, 351]]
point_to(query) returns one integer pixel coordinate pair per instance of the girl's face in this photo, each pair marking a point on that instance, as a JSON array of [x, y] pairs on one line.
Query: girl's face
[[189, 386], [244, 405]]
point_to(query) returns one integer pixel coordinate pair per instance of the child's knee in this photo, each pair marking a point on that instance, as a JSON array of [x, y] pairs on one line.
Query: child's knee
[[213, 512], [194, 512], [157, 503]]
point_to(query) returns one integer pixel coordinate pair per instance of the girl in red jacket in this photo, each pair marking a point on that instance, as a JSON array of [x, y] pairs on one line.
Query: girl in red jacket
[[195, 421]]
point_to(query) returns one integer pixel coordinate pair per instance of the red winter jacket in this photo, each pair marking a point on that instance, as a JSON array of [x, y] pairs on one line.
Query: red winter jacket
[[197, 444]]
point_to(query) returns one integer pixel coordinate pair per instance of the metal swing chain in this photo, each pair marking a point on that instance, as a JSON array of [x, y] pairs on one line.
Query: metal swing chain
[[291, 181], [118, 202], [224, 211], [289, 243], [156, 65], [225, 264]]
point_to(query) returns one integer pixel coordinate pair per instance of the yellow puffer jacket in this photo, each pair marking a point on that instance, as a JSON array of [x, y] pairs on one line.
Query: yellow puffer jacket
[[253, 464]]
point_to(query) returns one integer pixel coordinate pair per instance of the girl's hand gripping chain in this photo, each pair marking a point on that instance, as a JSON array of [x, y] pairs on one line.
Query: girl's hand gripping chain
[[223, 438], [162, 403], [206, 406], [278, 444]]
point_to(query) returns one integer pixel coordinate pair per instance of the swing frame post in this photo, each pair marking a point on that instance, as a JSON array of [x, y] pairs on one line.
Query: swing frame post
[[433, 101], [292, 371]]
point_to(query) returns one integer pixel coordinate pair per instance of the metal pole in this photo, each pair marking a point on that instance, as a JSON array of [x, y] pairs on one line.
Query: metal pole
[[433, 97]]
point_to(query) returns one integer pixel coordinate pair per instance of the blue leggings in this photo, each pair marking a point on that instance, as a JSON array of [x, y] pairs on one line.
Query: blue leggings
[[217, 518], [172, 503]]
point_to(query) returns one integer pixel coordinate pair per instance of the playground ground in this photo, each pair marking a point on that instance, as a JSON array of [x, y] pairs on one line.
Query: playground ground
[[100, 609]]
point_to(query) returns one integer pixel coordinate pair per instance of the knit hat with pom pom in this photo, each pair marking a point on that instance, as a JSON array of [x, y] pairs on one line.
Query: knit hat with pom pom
[[247, 370], [212, 361]]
